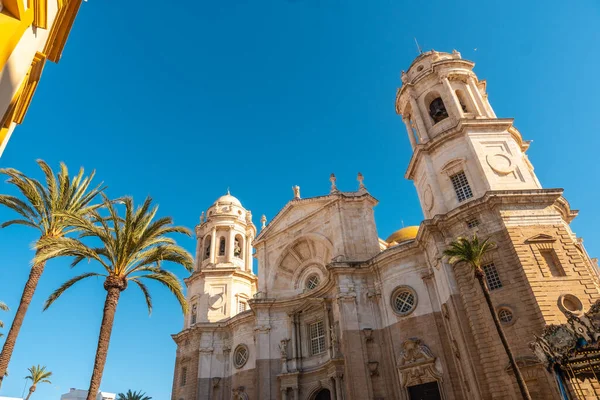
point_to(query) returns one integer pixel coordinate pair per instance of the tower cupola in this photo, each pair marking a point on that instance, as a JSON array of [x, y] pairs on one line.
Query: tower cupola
[[225, 235], [461, 150]]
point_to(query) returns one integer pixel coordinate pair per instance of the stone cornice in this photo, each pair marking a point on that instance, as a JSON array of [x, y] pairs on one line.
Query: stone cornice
[[461, 128], [497, 198], [234, 272]]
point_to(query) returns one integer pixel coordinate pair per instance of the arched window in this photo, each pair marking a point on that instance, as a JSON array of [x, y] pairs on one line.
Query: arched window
[[464, 104], [194, 313], [222, 246], [238, 247], [206, 253], [437, 110]]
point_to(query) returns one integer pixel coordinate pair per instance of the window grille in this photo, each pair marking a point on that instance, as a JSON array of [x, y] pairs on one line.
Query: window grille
[[492, 277], [312, 282], [183, 380], [461, 186], [505, 315], [241, 306], [317, 338], [472, 223], [404, 301]]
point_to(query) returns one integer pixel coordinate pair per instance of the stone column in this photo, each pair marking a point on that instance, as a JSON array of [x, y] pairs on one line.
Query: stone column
[[292, 365], [411, 135], [338, 387], [454, 109], [248, 253], [328, 336], [230, 246], [204, 372], [284, 394], [295, 390], [418, 118], [479, 102], [213, 245], [263, 358]]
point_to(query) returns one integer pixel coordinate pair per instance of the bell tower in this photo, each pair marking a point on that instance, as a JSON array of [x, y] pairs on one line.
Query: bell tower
[[461, 149], [223, 281]]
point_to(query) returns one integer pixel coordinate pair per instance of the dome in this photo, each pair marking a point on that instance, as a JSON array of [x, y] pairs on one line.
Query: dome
[[404, 234], [226, 199]]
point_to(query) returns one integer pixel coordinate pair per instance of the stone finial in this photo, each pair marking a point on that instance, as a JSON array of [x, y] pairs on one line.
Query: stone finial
[[403, 77], [456, 53], [360, 178], [263, 221], [296, 190], [248, 217], [202, 218], [333, 179]]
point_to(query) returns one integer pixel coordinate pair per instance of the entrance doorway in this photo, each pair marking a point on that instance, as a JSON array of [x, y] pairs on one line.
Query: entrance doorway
[[324, 394], [426, 391]]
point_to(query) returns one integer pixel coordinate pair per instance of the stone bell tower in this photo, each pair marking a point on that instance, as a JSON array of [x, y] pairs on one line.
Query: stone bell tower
[[461, 149], [223, 281]]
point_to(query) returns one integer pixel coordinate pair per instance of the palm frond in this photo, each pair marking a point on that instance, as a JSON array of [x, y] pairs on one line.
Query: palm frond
[[172, 283], [146, 293], [58, 292]]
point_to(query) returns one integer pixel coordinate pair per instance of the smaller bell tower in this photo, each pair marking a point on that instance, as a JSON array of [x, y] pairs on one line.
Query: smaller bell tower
[[461, 150], [223, 281]]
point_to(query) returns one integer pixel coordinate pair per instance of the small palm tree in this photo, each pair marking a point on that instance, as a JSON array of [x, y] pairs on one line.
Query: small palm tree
[[133, 396], [41, 208], [37, 374], [132, 248], [471, 252]]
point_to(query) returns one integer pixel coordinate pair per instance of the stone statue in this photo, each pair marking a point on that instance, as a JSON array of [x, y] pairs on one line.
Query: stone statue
[[360, 178], [283, 353], [296, 190], [202, 218], [237, 250], [404, 77], [283, 348], [333, 179]]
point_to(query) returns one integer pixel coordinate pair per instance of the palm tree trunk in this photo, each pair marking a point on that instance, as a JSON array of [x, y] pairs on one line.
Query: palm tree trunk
[[110, 307], [511, 357], [31, 390], [11, 338]]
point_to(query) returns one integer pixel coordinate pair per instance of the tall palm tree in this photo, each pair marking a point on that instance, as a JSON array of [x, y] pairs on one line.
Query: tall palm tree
[[471, 252], [132, 248], [37, 374], [133, 396], [42, 207], [3, 307]]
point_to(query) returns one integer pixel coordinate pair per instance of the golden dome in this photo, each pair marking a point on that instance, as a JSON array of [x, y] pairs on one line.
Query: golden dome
[[404, 234]]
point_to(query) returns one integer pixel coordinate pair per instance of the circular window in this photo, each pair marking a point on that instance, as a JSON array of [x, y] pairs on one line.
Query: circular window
[[240, 356], [419, 68], [312, 281], [568, 302], [404, 300], [505, 315]]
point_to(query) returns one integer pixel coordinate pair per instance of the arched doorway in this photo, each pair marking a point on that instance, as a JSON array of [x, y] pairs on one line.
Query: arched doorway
[[324, 394]]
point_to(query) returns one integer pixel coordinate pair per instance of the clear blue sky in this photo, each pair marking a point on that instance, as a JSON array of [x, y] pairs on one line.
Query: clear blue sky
[[182, 100]]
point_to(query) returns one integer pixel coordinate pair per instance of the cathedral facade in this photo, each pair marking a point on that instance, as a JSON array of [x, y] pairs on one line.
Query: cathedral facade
[[338, 313]]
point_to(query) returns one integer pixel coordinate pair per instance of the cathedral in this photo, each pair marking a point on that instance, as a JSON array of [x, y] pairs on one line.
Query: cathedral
[[338, 313]]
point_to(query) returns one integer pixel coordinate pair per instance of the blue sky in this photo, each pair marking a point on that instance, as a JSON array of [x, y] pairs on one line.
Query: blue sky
[[181, 101]]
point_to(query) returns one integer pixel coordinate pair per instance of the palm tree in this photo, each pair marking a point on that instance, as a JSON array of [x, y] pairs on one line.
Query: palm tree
[[132, 248], [3, 307], [42, 207], [133, 396], [471, 252], [37, 375]]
